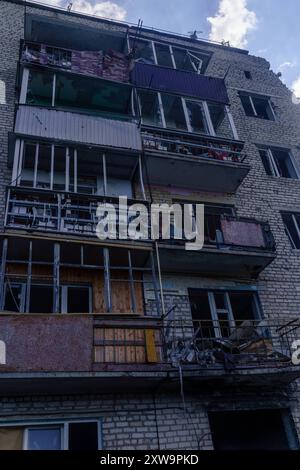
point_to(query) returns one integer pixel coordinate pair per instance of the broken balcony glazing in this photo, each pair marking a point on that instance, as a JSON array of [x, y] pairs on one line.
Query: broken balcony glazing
[[44, 276], [88, 94], [194, 116]]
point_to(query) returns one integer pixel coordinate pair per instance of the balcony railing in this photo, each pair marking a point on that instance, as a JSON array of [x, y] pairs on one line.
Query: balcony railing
[[206, 148], [34, 209], [207, 344], [111, 65]]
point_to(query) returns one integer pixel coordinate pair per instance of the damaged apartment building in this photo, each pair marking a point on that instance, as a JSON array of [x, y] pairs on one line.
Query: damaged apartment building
[[141, 344]]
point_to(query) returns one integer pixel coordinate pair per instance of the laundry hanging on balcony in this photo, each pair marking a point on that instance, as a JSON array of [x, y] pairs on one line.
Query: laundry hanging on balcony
[[112, 65]]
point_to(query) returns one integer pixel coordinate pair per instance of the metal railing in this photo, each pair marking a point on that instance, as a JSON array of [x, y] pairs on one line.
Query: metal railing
[[239, 343], [38, 53], [205, 343], [45, 210], [203, 148]]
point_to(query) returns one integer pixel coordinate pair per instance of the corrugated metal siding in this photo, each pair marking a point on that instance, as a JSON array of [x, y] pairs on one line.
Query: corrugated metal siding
[[74, 127], [176, 81]]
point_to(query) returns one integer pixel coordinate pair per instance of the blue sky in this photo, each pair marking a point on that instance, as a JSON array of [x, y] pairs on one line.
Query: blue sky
[[268, 28]]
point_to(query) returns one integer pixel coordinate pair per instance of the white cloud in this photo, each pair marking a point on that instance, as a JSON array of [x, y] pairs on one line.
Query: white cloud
[[106, 9], [53, 3], [296, 87], [232, 22], [287, 65]]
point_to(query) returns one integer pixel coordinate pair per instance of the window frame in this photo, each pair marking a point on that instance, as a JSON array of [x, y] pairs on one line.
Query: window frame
[[296, 226], [25, 82], [64, 297], [273, 164], [214, 311], [250, 96], [184, 100], [71, 171], [63, 424], [188, 51]]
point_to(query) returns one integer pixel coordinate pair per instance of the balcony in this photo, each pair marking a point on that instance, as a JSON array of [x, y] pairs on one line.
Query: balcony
[[140, 353], [233, 247], [202, 163], [35, 210], [110, 64]]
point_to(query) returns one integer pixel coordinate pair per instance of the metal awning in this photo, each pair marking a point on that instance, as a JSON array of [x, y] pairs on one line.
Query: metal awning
[[169, 80], [75, 127]]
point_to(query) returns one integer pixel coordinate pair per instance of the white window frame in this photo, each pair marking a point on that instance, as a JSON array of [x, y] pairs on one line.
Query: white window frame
[[297, 227], [189, 52], [273, 164], [253, 106], [184, 100], [63, 424], [64, 296], [18, 166], [29, 428]]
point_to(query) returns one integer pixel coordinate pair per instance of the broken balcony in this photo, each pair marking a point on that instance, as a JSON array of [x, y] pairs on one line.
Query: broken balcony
[[34, 210], [200, 163], [139, 354], [233, 247], [50, 290], [107, 63]]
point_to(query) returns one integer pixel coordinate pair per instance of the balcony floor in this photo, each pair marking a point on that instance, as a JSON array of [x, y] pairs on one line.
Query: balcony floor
[[225, 262]]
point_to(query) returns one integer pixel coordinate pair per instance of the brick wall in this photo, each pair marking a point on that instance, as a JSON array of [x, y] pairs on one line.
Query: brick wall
[[260, 196]]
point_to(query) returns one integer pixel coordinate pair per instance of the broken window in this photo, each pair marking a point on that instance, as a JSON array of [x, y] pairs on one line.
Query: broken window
[[278, 162], [186, 60], [40, 88], [59, 173], [150, 108], [163, 55], [196, 117], [169, 56], [220, 120], [41, 298], [49, 166], [250, 430], [14, 296], [173, 112], [75, 91], [76, 299], [212, 221], [92, 94], [28, 170], [217, 313], [143, 51], [257, 106], [76, 278], [292, 227], [43, 176]]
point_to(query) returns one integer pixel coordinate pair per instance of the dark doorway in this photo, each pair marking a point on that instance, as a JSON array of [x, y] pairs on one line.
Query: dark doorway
[[248, 430]]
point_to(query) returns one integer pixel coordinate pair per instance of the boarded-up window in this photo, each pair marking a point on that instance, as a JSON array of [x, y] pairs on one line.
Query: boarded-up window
[[11, 438]]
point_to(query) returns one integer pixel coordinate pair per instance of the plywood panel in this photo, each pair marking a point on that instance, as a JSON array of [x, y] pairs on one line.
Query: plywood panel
[[123, 345]]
